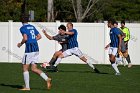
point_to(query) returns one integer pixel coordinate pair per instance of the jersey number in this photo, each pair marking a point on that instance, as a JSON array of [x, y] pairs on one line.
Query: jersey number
[[32, 33]]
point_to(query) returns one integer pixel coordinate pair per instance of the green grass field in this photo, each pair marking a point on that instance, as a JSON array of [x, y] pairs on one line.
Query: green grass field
[[72, 78]]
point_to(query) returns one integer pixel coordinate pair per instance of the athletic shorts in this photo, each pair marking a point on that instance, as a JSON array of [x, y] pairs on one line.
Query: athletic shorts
[[73, 51], [123, 47], [30, 58], [126, 45], [113, 51]]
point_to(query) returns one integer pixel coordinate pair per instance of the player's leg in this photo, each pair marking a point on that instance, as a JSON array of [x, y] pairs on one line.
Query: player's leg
[[128, 59], [33, 60], [112, 53], [62, 55], [25, 68], [55, 56], [118, 58], [26, 77], [52, 61], [127, 56], [89, 62], [42, 74], [78, 53]]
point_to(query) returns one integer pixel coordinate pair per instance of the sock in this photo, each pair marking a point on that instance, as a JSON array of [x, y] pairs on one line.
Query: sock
[[52, 61], [118, 59], [115, 67], [128, 59], [57, 61], [26, 79], [90, 64], [44, 76]]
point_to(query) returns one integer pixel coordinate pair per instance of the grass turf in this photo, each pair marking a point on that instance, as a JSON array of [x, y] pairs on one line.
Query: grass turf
[[72, 78]]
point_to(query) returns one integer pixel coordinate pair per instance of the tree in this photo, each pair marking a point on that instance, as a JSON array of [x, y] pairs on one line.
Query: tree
[[79, 12], [50, 11]]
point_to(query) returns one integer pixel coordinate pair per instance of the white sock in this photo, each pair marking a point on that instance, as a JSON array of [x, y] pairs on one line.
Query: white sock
[[115, 68], [26, 79], [90, 64], [118, 59], [44, 76], [57, 61]]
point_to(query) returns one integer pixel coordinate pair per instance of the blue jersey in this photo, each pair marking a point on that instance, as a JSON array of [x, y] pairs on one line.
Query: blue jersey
[[31, 43], [114, 32], [72, 40]]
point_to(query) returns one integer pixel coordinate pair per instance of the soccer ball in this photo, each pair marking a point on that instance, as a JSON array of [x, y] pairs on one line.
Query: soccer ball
[[43, 65]]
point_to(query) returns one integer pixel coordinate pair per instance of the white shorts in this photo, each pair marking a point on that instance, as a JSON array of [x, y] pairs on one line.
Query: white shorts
[[30, 58], [113, 51], [73, 51]]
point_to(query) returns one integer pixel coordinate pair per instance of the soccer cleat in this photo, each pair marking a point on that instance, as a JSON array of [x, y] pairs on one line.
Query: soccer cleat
[[117, 74], [129, 65], [48, 81], [54, 69], [25, 89], [96, 70], [45, 64]]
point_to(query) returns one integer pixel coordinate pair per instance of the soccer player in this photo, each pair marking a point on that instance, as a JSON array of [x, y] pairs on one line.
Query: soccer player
[[119, 56], [126, 40], [73, 48], [61, 37], [114, 45], [30, 37]]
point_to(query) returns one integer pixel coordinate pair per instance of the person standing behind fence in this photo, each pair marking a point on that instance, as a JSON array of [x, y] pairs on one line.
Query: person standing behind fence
[[30, 37], [126, 31]]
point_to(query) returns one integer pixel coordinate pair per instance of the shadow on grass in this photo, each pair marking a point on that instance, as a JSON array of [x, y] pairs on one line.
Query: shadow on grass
[[84, 72], [12, 86], [74, 71], [19, 86]]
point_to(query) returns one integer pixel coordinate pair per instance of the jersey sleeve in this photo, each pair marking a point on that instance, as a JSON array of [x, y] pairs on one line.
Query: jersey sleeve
[[36, 31], [56, 37], [60, 38], [74, 30], [122, 34], [22, 30], [117, 32]]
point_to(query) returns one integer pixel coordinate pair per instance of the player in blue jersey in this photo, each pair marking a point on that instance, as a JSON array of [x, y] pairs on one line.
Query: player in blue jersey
[[30, 37], [114, 45], [73, 48]]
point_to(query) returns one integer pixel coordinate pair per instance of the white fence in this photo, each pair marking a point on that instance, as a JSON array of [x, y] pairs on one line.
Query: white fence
[[92, 39]]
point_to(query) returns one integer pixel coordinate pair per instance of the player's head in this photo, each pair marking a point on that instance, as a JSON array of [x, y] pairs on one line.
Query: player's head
[[122, 23], [69, 26], [62, 29], [116, 24], [111, 23], [24, 19]]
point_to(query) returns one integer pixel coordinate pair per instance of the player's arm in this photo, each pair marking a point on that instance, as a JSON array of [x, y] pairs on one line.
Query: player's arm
[[107, 46], [38, 37], [48, 36], [69, 33], [23, 40]]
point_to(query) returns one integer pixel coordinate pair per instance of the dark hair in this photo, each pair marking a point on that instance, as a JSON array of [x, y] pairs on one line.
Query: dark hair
[[116, 22], [123, 22], [24, 18], [62, 27], [112, 21]]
